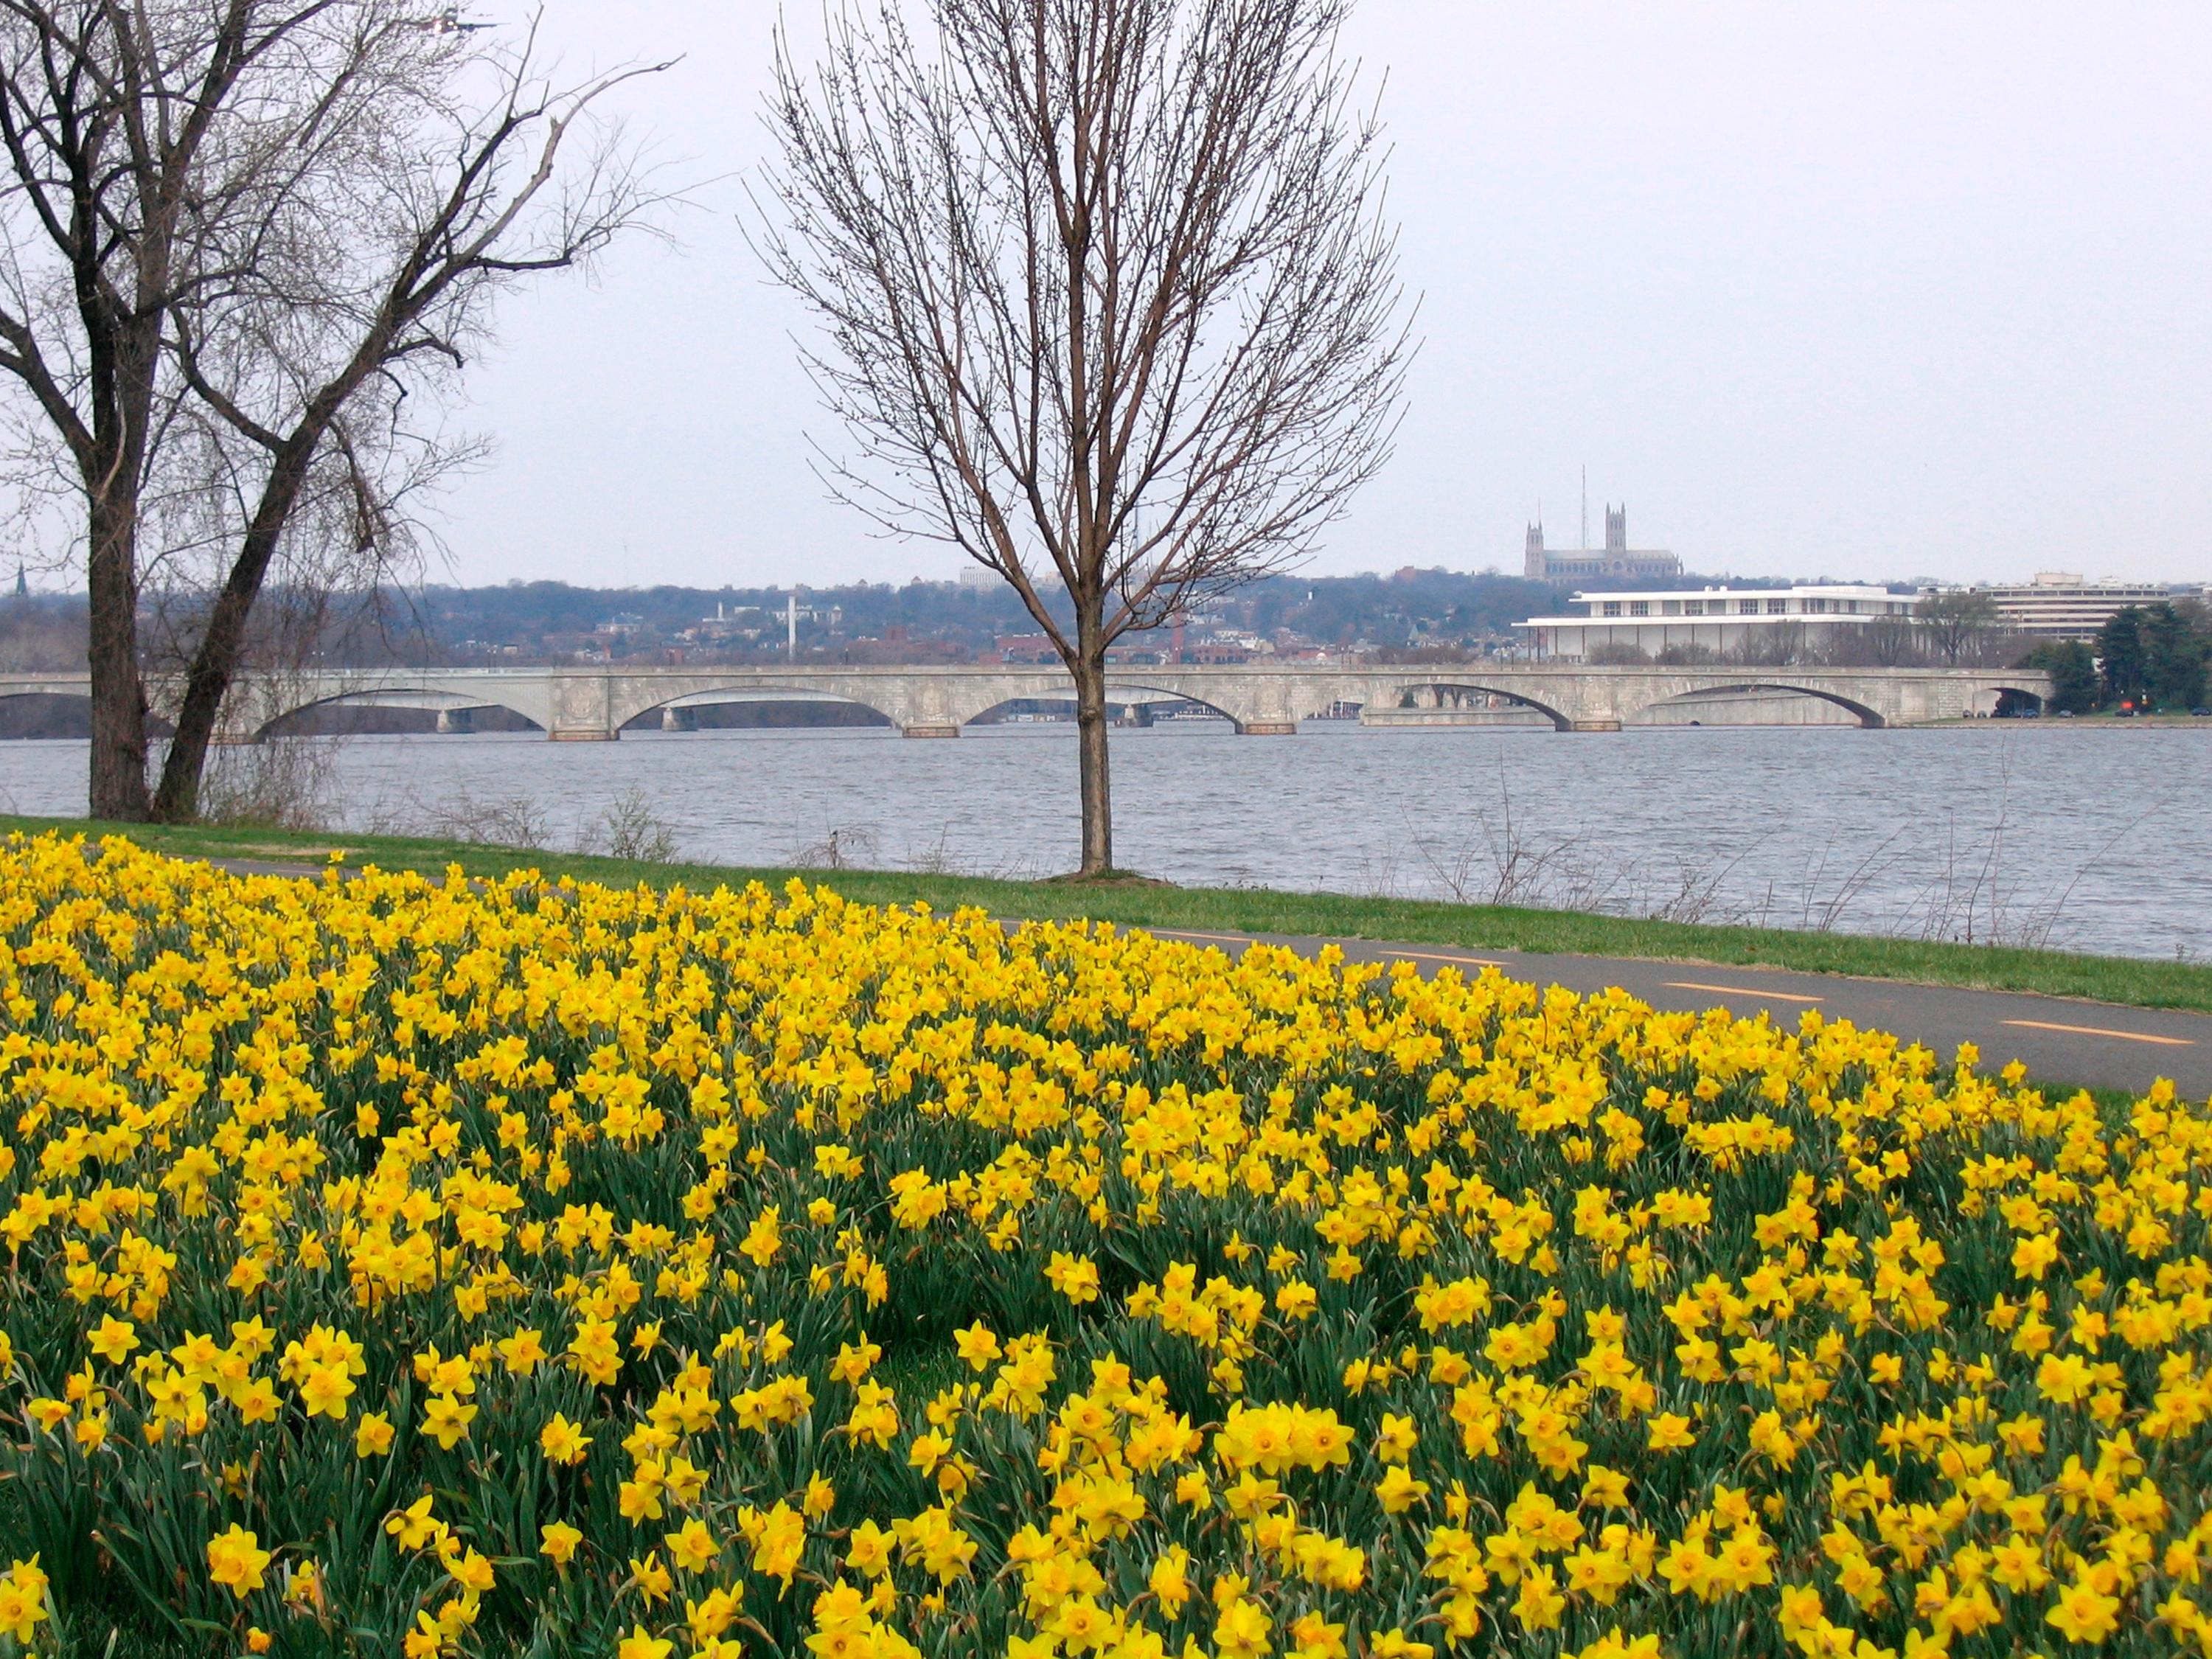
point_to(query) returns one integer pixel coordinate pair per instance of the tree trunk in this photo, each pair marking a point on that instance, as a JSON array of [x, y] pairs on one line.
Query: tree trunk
[[1089, 672], [118, 787], [215, 664], [178, 800]]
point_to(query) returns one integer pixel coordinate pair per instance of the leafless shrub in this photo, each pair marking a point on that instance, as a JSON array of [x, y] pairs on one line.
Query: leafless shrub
[[517, 821], [1967, 900], [630, 829], [935, 859], [840, 847], [938, 859], [278, 784], [1822, 914], [1693, 891], [1378, 876], [1966, 896], [1504, 862]]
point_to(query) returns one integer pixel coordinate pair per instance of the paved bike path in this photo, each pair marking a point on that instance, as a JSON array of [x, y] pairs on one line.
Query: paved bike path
[[2060, 1040]]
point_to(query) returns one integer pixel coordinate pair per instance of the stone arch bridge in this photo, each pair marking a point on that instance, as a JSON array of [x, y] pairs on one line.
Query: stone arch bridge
[[586, 702]]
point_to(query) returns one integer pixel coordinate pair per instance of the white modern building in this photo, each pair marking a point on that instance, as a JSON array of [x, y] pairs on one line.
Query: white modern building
[[1718, 619], [2059, 606]]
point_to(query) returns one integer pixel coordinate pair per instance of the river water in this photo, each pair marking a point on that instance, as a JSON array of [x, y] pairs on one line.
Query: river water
[[2090, 839]]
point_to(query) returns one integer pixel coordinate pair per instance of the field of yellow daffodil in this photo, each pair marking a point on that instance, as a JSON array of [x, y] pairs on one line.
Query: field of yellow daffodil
[[412, 1268]]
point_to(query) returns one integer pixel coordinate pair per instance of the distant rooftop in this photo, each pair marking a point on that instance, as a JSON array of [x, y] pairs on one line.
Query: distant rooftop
[[2064, 581], [1818, 589]]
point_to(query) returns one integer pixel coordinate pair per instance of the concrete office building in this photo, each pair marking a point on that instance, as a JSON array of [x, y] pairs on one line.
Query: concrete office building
[[2059, 606]]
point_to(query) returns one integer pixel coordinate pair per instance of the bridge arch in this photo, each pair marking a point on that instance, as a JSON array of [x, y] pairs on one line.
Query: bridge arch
[[1560, 720], [1052, 686], [1117, 693], [749, 692], [261, 724], [1867, 717], [79, 686], [2011, 700], [1126, 683], [59, 711]]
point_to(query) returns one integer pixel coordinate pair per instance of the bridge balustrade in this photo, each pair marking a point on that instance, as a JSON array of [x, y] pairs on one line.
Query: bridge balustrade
[[586, 704]]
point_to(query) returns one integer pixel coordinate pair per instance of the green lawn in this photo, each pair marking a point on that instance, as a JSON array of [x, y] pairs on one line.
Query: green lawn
[[2146, 984]]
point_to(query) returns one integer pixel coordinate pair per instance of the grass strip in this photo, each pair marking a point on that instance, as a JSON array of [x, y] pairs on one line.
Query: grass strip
[[2127, 982]]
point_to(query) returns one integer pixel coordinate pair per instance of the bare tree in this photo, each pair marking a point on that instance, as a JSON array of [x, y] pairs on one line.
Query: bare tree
[[1775, 647], [239, 235], [365, 283], [1111, 302], [1892, 642], [105, 112], [1955, 621]]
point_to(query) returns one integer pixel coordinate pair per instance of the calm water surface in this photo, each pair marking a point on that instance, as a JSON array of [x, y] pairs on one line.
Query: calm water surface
[[2097, 839]]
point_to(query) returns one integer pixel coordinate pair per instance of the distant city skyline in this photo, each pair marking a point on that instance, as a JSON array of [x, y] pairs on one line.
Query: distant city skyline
[[1876, 292]]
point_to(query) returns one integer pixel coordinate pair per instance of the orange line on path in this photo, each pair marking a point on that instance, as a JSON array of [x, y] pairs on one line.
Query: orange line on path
[[1739, 991], [2099, 1031]]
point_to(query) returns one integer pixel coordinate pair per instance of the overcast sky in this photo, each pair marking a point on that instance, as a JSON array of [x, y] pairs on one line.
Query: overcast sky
[[1875, 291]]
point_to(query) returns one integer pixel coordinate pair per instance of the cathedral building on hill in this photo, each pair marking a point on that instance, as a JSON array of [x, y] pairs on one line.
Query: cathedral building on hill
[[1616, 558]]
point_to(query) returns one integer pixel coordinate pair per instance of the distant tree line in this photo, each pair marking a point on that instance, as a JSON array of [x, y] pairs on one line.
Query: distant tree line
[[1468, 613], [1441, 613], [43, 635], [2147, 657], [1457, 614]]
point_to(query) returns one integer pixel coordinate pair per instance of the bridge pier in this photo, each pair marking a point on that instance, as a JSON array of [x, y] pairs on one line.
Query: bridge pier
[[1594, 726], [1267, 729], [461, 721], [673, 719], [574, 735], [929, 729]]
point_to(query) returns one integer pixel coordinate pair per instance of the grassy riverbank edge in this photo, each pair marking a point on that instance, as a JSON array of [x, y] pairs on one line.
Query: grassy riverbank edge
[[2118, 980]]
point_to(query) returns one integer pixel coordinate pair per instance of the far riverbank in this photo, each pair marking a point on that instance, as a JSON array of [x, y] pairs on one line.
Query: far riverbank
[[2103, 720]]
